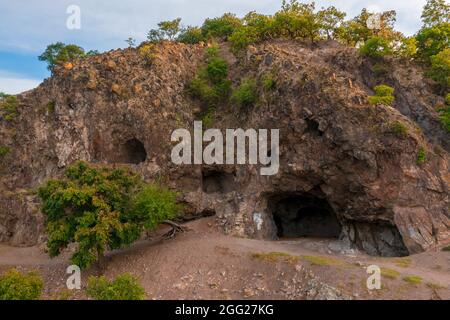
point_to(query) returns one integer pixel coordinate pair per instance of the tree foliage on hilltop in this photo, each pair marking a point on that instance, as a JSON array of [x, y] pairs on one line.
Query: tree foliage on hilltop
[[58, 53]]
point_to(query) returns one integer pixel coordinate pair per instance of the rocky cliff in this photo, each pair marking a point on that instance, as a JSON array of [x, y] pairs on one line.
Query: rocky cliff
[[343, 163]]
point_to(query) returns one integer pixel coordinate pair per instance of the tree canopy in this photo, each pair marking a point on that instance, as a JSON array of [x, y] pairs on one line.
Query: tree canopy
[[101, 208]]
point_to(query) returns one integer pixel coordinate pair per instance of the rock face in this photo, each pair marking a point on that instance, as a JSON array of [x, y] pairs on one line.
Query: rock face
[[344, 170]]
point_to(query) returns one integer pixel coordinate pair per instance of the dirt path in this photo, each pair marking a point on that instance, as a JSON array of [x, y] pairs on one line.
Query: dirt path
[[205, 264]]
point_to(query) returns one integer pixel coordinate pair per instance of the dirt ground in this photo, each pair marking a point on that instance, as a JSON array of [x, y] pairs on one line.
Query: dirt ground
[[205, 264]]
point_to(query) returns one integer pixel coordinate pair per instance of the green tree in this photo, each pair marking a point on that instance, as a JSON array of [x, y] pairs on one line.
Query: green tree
[[101, 209], [408, 47], [356, 30], [330, 20], [131, 42], [58, 53], [435, 12], [260, 25], [432, 40], [440, 68], [15, 285], [167, 30], [221, 27], [123, 287], [296, 21], [170, 29], [191, 35]]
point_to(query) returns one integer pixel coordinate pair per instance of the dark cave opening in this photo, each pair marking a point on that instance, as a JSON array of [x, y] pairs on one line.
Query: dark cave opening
[[217, 182], [305, 216], [133, 151], [313, 127]]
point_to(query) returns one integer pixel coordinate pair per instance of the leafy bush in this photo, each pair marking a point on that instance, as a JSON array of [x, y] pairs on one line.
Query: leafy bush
[[124, 287], [191, 35], [154, 204], [147, 51], [444, 117], [200, 88], [268, 81], [58, 53], [211, 85], [8, 107], [246, 94], [99, 209], [376, 47], [399, 129], [383, 95], [221, 27], [421, 156], [447, 99], [440, 68], [217, 70], [15, 285], [4, 151], [242, 38]]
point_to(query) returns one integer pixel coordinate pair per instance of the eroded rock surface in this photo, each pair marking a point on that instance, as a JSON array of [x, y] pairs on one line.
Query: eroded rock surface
[[336, 150]]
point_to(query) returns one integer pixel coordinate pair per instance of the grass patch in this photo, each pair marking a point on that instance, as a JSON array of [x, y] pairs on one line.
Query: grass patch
[[390, 273], [383, 95], [275, 256], [399, 129], [403, 262], [323, 261], [51, 106], [4, 151], [421, 156], [413, 279], [447, 249], [268, 82]]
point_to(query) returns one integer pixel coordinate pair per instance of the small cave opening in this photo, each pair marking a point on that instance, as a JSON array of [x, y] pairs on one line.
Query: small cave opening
[[305, 215], [133, 152], [217, 182], [313, 127]]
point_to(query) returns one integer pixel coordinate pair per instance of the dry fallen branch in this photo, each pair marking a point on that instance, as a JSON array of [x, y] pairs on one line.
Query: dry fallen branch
[[176, 228]]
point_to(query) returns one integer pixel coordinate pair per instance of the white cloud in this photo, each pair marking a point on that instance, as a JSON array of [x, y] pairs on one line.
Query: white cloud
[[12, 83]]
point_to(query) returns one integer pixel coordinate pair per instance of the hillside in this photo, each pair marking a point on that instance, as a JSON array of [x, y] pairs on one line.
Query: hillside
[[349, 166]]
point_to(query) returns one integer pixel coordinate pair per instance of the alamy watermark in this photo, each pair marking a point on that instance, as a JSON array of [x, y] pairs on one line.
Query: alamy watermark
[[73, 22], [231, 151]]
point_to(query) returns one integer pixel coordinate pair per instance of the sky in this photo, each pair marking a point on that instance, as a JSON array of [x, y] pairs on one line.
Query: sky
[[28, 26]]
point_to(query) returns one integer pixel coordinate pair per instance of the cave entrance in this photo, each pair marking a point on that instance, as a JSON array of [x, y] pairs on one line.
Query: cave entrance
[[217, 182], [305, 216], [132, 151]]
